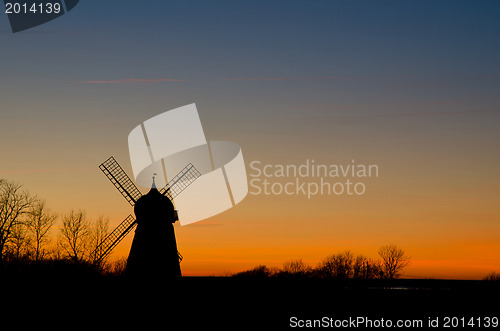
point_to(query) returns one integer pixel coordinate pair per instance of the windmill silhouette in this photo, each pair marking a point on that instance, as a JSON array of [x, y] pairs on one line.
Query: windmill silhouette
[[154, 248]]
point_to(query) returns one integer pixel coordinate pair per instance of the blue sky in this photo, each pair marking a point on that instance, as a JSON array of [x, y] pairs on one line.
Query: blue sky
[[371, 44], [275, 65]]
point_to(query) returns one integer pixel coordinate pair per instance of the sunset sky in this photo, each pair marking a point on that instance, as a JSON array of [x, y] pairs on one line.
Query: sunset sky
[[411, 86]]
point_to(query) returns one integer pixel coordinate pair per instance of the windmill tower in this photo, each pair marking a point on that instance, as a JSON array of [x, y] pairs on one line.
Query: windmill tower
[[154, 248]]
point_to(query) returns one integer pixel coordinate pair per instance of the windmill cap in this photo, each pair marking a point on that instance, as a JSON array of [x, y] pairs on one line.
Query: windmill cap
[[154, 207]]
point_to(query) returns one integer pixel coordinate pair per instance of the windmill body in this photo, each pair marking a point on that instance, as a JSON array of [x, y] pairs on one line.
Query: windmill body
[[154, 248]]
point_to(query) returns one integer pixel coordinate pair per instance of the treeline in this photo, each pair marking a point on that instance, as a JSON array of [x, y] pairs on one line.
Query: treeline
[[32, 234], [344, 265]]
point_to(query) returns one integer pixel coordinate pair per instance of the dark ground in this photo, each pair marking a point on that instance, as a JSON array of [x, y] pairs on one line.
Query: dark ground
[[195, 303], [273, 301]]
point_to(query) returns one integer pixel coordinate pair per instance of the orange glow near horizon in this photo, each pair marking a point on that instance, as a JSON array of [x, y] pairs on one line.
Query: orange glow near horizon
[[449, 229]]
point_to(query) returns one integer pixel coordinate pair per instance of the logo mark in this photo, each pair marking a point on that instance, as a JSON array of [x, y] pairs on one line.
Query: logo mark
[[164, 144]]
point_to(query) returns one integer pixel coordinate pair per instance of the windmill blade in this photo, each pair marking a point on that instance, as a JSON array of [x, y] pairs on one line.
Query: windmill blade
[[113, 239], [120, 180], [181, 181]]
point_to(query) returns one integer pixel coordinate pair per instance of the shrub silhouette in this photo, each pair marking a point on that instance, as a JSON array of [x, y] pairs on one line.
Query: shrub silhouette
[[339, 266], [492, 276], [260, 271], [294, 268]]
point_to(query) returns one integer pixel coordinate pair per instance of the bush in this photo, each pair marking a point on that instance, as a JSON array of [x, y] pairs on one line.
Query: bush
[[260, 271], [493, 276], [295, 268]]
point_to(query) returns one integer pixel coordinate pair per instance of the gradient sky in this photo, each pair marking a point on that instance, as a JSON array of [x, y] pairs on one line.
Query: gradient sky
[[412, 86]]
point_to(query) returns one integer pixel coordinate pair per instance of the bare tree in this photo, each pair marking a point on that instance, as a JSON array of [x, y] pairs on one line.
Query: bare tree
[[116, 267], [99, 231], [296, 267], [365, 268], [337, 266], [40, 221], [359, 267], [492, 276], [14, 204], [18, 246], [74, 235], [394, 260]]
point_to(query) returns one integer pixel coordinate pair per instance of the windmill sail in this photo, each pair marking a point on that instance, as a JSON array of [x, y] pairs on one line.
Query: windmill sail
[[113, 239], [181, 181], [120, 180]]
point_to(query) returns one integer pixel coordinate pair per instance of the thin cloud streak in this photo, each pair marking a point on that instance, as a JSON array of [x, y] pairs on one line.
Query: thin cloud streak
[[368, 117], [34, 171], [412, 114], [159, 80], [132, 80], [255, 78], [284, 78], [439, 113]]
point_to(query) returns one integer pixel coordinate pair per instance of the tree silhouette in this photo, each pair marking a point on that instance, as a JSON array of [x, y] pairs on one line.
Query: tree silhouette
[[79, 237], [38, 224], [337, 265], [18, 246], [74, 235], [394, 260], [260, 271], [492, 276], [364, 268], [14, 204], [116, 267], [98, 232], [296, 268]]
